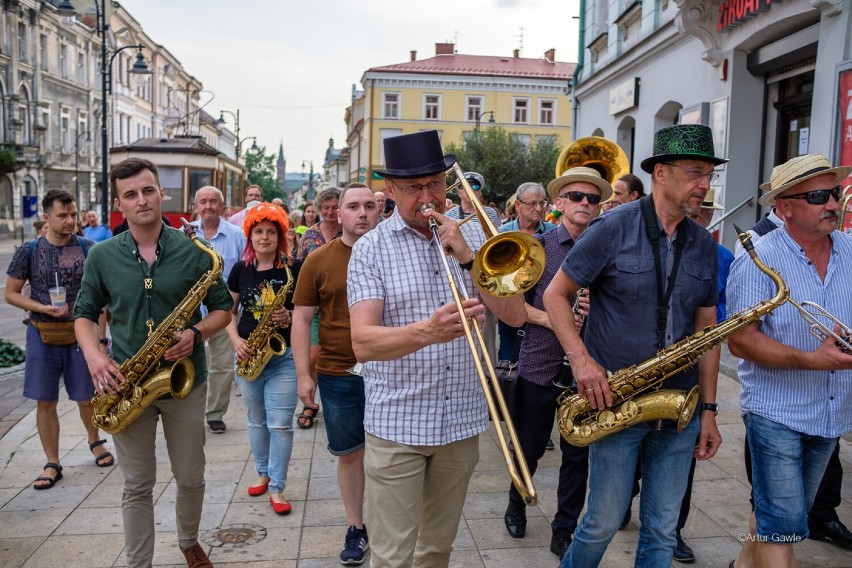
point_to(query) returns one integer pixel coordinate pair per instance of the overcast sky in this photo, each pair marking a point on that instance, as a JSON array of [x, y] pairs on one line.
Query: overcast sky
[[289, 65]]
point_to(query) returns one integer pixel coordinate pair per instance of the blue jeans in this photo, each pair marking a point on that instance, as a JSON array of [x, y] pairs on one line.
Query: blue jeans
[[343, 407], [270, 403], [787, 467], [665, 456]]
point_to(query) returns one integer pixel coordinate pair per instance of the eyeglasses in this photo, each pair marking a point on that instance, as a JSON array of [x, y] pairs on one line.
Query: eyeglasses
[[413, 189], [817, 196], [694, 174], [533, 204], [577, 197]]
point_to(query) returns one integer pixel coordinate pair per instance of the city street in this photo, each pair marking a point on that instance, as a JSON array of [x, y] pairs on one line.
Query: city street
[[78, 522]]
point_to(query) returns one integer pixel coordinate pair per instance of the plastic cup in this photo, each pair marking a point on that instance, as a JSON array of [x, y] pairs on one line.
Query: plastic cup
[[57, 297]]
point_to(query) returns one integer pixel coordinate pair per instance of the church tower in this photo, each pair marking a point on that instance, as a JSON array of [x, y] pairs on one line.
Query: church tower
[[281, 166]]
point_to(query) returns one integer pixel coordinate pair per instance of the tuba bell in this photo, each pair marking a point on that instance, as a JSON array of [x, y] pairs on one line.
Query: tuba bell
[[595, 152]]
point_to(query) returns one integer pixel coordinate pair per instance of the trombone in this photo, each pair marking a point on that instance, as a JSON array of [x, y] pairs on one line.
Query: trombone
[[812, 312], [844, 207], [507, 264]]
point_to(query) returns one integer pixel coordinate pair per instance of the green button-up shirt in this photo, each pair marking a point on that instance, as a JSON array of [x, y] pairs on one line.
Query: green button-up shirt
[[114, 277]]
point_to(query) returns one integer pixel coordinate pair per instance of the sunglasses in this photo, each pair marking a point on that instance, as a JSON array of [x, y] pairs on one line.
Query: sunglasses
[[818, 196], [577, 197]]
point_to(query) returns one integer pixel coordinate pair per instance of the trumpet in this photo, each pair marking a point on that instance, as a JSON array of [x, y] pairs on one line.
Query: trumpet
[[812, 313], [844, 207], [506, 265]]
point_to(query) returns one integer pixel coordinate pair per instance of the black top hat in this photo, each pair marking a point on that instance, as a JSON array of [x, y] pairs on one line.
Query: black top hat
[[682, 142], [415, 155]]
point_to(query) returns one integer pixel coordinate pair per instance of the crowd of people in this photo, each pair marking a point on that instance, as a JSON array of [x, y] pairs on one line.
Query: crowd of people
[[381, 346]]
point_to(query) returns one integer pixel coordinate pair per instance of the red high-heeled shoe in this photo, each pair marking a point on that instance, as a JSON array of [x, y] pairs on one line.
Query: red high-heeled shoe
[[281, 508]]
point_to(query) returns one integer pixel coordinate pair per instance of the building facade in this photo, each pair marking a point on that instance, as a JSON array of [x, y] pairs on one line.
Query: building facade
[[767, 76], [455, 94]]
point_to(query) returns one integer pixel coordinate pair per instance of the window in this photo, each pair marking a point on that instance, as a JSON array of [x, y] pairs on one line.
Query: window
[[82, 130], [431, 107], [45, 121], [387, 133], [63, 61], [171, 180], [42, 47], [391, 106], [64, 129], [22, 41], [545, 111], [81, 68], [521, 113], [474, 108], [522, 138]]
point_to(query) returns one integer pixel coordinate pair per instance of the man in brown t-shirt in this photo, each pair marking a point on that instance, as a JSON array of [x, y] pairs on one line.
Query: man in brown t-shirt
[[322, 283]]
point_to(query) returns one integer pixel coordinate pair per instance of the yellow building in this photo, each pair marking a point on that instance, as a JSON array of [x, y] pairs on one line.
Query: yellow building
[[455, 94]]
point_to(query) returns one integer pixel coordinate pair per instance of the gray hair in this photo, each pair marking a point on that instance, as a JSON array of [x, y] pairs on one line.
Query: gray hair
[[214, 188], [325, 195], [528, 186]]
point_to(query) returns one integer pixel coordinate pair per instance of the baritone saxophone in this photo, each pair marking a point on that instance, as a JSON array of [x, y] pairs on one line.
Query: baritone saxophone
[[265, 340], [145, 381], [581, 425]]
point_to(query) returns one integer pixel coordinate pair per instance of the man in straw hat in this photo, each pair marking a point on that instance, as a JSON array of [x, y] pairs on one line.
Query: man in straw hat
[[630, 259], [424, 405], [577, 195], [795, 389]]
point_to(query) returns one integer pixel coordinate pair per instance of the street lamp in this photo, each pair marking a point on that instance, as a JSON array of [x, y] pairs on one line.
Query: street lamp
[[240, 143], [77, 162], [236, 116], [309, 195], [481, 114], [140, 66]]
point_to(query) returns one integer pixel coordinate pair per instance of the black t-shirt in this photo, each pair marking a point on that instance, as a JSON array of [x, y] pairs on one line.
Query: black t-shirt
[[257, 291]]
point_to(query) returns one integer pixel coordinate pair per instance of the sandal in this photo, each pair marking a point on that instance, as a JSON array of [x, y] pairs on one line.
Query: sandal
[[104, 456], [305, 421], [51, 481]]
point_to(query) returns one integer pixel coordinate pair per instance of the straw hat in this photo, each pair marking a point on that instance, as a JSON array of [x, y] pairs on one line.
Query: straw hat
[[797, 170], [580, 173], [710, 201]]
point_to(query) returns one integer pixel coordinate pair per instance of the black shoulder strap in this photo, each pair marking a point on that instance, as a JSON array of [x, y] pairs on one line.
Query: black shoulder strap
[[664, 295], [764, 226]]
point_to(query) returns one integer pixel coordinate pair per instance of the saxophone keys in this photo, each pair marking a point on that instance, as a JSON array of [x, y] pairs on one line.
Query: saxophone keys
[[606, 419]]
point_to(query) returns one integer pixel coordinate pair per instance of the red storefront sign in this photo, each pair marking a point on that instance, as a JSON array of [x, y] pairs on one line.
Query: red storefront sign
[[734, 12], [844, 99]]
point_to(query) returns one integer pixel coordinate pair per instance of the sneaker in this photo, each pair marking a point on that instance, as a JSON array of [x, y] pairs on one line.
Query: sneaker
[[357, 543], [549, 445], [216, 426]]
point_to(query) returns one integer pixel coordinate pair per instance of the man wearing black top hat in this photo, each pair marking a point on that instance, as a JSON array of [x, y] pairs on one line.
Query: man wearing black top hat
[[424, 405], [652, 271]]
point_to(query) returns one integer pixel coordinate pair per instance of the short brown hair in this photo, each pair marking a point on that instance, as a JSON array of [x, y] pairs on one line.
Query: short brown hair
[[326, 195], [55, 195], [129, 168]]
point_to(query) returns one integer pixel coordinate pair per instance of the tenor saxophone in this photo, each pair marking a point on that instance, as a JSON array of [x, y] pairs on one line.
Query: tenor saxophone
[[265, 340], [145, 381], [581, 425]]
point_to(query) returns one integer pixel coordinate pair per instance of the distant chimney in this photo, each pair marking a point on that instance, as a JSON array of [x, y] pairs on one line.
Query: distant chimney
[[445, 48], [517, 53], [550, 55], [414, 55]]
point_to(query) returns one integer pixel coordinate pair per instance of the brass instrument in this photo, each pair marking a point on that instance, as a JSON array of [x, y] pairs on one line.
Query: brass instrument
[[265, 340], [582, 425], [507, 264], [844, 207], [145, 382], [596, 152], [811, 312]]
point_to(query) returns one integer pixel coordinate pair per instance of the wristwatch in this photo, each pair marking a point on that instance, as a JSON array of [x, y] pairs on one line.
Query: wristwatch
[[197, 334], [710, 406], [467, 265], [103, 341]]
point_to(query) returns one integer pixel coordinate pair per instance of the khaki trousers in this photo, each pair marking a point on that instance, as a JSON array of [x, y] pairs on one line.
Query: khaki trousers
[[183, 426], [415, 497], [220, 375]]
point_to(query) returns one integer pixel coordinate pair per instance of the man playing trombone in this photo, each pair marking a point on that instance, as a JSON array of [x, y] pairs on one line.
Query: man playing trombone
[[424, 407], [796, 382]]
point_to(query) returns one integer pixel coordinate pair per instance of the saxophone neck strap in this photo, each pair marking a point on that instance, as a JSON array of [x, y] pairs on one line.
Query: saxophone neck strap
[[664, 294]]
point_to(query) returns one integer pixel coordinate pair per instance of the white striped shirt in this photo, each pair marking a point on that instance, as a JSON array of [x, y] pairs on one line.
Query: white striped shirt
[[817, 403], [430, 397]]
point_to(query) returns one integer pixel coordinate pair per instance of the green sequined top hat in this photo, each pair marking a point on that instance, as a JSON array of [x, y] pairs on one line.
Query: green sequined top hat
[[682, 142]]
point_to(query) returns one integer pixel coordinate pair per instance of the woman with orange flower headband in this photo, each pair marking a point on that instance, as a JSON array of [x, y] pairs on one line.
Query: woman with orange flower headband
[[270, 399]]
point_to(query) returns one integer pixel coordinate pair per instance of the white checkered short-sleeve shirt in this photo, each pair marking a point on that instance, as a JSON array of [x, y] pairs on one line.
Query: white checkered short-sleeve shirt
[[430, 397]]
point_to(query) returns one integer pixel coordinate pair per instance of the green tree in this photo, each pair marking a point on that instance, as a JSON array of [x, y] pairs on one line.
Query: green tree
[[261, 171], [505, 161]]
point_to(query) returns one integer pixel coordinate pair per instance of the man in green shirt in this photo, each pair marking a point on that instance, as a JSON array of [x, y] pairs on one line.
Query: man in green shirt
[[141, 275]]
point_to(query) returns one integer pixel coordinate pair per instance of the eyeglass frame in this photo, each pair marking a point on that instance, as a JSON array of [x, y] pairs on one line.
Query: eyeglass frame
[[711, 175], [440, 185], [542, 203], [589, 197], [811, 196]]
